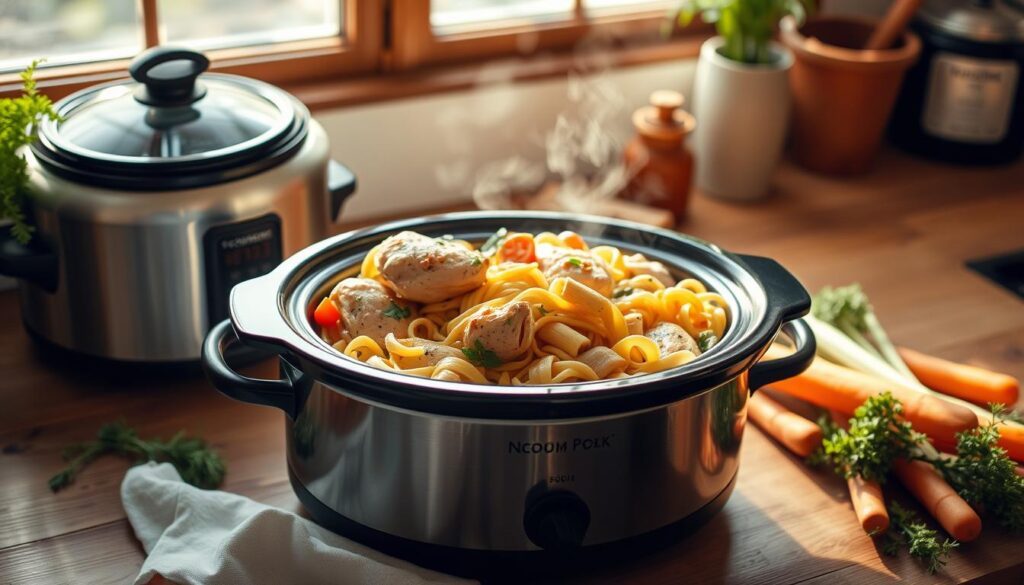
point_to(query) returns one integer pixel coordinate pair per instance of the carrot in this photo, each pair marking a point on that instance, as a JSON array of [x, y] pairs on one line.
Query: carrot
[[1011, 438], [970, 383], [326, 314], [573, 240], [517, 248], [798, 434], [951, 511], [835, 387], [869, 505]]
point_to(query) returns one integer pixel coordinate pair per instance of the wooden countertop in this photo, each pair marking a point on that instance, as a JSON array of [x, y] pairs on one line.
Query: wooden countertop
[[904, 232]]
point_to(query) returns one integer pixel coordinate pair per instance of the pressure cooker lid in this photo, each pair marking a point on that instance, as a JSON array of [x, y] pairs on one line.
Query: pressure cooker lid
[[985, 21], [171, 126]]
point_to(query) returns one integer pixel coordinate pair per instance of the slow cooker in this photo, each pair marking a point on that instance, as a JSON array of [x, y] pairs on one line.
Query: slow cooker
[[963, 101], [465, 477], [151, 197]]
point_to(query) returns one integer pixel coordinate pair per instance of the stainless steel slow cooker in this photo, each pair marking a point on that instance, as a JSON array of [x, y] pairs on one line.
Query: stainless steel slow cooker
[[459, 476], [153, 196]]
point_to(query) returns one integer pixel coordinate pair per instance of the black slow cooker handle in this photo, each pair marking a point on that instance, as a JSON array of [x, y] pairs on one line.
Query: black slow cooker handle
[[34, 262], [341, 182], [278, 393], [765, 372]]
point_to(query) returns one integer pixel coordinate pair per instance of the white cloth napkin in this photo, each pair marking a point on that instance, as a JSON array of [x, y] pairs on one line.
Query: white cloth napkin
[[195, 536]]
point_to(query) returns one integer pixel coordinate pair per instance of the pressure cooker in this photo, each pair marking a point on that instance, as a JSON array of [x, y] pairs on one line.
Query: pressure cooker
[[153, 196], [465, 477], [963, 101]]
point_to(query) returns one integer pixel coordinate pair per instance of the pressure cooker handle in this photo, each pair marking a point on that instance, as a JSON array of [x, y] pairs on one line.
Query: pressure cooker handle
[[341, 183], [765, 372], [168, 76], [278, 393], [34, 262]]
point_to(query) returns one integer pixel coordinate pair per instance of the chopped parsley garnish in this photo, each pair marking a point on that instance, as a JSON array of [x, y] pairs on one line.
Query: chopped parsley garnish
[[706, 340], [622, 292], [543, 310], [575, 262], [479, 355], [396, 311], [494, 242], [477, 261]]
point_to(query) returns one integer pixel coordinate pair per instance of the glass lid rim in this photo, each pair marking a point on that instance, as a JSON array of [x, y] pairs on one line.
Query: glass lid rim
[[288, 111]]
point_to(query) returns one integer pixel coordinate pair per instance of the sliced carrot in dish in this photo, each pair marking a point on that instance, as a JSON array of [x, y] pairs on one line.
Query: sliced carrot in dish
[[573, 240], [517, 248], [326, 314]]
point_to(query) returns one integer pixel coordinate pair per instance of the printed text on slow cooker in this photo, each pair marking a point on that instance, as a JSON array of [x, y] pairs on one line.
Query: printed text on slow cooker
[[567, 446]]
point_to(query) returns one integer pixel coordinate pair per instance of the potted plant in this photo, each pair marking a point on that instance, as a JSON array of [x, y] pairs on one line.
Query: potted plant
[[741, 95], [19, 124]]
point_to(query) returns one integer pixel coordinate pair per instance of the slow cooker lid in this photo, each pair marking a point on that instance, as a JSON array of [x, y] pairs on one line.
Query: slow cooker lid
[[984, 21], [173, 118]]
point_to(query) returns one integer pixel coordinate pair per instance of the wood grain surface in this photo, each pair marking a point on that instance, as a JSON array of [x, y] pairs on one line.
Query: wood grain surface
[[903, 232]]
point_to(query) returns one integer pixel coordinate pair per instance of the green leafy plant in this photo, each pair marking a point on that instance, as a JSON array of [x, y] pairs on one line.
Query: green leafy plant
[[19, 125], [907, 531], [195, 461], [746, 25]]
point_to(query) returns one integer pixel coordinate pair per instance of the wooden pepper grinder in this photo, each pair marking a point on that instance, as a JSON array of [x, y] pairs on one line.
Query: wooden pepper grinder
[[659, 164]]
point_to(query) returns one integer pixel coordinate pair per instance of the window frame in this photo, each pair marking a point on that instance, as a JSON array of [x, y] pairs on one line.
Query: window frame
[[355, 50], [380, 56], [417, 45]]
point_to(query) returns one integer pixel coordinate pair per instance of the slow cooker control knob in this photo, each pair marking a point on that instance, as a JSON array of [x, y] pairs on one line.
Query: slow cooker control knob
[[556, 520]]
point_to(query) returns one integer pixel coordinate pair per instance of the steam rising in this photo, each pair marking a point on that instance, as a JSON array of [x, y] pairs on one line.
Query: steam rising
[[581, 157]]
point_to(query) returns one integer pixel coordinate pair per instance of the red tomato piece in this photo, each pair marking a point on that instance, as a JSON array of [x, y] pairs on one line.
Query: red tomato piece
[[326, 314]]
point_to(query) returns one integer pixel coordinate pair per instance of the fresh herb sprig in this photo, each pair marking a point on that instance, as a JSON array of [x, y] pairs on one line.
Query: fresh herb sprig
[[706, 340], [981, 472], [396, 311], [480, 355], [195, 461], [984, 475], [906, 530], [876, 438], [19, 126]]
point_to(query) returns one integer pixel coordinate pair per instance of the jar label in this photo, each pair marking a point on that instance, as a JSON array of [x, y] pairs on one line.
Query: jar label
[[969, 100]]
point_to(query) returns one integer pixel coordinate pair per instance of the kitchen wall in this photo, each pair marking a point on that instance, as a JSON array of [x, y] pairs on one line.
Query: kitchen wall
[[425, 152]]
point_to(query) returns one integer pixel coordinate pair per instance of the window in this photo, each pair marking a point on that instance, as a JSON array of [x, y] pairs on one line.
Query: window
[[284, 41], [455, 30], [301, 41]]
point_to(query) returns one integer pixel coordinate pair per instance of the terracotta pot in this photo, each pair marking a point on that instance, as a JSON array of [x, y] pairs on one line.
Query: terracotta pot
[[842, 95]]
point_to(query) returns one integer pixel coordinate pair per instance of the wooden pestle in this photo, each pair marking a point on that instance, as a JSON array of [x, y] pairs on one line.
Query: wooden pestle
[[892, 26]]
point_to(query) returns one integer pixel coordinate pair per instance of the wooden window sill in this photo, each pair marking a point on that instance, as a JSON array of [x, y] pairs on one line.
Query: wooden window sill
[[337, 93]]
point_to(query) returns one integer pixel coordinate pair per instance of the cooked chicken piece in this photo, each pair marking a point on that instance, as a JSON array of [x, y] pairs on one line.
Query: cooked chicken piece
[[433, 352], [429, 270], [506, 331], [368, 308], [638, 264], [579, 265], [671, 338]]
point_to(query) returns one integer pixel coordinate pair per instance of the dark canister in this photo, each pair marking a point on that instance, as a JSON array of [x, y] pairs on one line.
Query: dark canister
[[962, 102]]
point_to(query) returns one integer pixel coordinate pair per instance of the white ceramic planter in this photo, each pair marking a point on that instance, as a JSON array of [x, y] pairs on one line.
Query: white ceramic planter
[[742, 115]]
